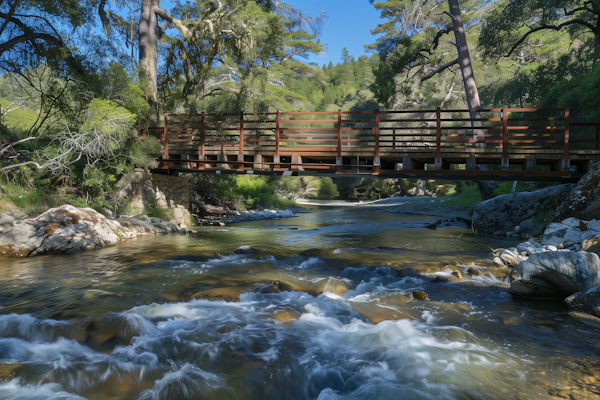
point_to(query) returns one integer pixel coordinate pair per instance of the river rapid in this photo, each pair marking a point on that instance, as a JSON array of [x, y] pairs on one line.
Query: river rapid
[[329, 308]]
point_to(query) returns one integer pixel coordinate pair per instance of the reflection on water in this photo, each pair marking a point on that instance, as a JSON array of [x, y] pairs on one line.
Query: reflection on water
[[330, 308]]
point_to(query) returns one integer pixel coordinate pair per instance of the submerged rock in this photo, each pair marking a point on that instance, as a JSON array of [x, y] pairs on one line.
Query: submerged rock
[[555, 275], [228, 294], [184, 257], [285, 317], [419, 295], [245, 250]]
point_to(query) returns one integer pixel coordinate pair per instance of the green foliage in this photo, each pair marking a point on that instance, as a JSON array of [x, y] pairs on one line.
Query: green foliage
[[29, 199], [468, 195], [327, 190], [246, 191]]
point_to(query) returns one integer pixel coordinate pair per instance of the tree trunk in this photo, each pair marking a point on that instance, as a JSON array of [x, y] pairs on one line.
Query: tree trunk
[[486, 188], [464, 58], [148, 37]]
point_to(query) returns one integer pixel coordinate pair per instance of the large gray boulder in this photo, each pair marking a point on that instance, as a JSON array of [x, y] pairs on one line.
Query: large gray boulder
[[587, 300], [555, 275], [569, 232], [584, 200], [503, 214], [66, 229]]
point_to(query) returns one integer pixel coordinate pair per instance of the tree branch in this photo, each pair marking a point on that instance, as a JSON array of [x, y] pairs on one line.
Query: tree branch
[[12, 145], [38, 166], [440, 69], [164, 14], [438, 36], [554, 28]]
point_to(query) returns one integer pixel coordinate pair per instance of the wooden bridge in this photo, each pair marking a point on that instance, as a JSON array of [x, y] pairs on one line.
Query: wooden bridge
[[512, 143]]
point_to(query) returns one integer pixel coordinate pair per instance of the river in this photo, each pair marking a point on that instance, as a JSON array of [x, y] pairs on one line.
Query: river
[[329, 308]]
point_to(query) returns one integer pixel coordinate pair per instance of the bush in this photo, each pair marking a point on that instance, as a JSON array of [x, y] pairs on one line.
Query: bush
[[468, 195], [327, 190]]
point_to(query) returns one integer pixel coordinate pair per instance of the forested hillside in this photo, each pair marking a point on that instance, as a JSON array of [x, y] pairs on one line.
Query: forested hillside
[[80, 78]]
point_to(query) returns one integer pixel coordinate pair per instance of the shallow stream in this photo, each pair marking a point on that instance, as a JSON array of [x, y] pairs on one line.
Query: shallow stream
[[330, 308]]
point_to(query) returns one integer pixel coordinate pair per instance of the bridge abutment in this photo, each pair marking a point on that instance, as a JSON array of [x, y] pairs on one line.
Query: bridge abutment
[[144, 191]]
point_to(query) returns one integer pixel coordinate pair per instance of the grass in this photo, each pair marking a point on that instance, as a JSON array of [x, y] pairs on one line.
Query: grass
[[30, 200], [468, 196], [166, 214]]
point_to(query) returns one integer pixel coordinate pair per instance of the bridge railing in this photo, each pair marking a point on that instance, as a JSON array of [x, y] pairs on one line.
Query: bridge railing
[[506, 132]]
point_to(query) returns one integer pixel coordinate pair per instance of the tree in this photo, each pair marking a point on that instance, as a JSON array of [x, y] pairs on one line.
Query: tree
[[210, 47], [411, 45], [513, 24], [33, 33]]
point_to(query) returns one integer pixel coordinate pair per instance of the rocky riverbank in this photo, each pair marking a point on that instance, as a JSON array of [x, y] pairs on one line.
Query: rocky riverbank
[[68, 229], [232, 217]]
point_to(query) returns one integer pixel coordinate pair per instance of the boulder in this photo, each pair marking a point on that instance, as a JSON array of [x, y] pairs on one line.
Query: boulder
[[555, 275], [587, 300], [6, 222], [583, 202], [503, 214], [530, 228], [569, 232], [66, 229]]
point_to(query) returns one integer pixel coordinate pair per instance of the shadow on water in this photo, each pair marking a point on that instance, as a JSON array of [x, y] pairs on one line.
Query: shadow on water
[[337, 304]]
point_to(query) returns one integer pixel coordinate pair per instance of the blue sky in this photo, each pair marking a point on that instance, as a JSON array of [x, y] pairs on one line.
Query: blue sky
[[348, 25]]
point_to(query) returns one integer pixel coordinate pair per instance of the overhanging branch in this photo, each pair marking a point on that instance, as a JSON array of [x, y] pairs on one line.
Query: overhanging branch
[[557, 28], [439, 69]]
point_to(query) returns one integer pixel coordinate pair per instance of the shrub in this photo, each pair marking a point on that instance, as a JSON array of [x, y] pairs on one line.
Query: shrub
[[327, 190], [468, 195]]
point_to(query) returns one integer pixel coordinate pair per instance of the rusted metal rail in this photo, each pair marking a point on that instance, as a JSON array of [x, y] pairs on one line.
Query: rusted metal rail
[[515, 143]]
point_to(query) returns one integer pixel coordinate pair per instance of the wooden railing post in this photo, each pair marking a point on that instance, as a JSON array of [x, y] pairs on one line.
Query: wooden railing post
[[505, 162], [438, 139], [241, 146], [377, 160], [566, 162], [166, 142], [277, 131], [202, 140], [338, 159]]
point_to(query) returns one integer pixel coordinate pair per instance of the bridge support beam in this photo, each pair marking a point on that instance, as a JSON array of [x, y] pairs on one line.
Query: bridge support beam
[[258, 159], [222, 157], [339, 163], [186, 164], [531, 164], [296, 159]]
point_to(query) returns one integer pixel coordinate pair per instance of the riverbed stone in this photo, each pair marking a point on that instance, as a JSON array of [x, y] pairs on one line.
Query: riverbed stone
[[555, 275], [503, 213], [246, 250], [510, 257]]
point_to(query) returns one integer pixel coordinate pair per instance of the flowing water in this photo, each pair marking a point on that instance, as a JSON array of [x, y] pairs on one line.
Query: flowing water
[[329, 308]]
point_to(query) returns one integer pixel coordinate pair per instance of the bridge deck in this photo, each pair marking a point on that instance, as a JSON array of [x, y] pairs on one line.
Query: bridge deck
[[529, 144]]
